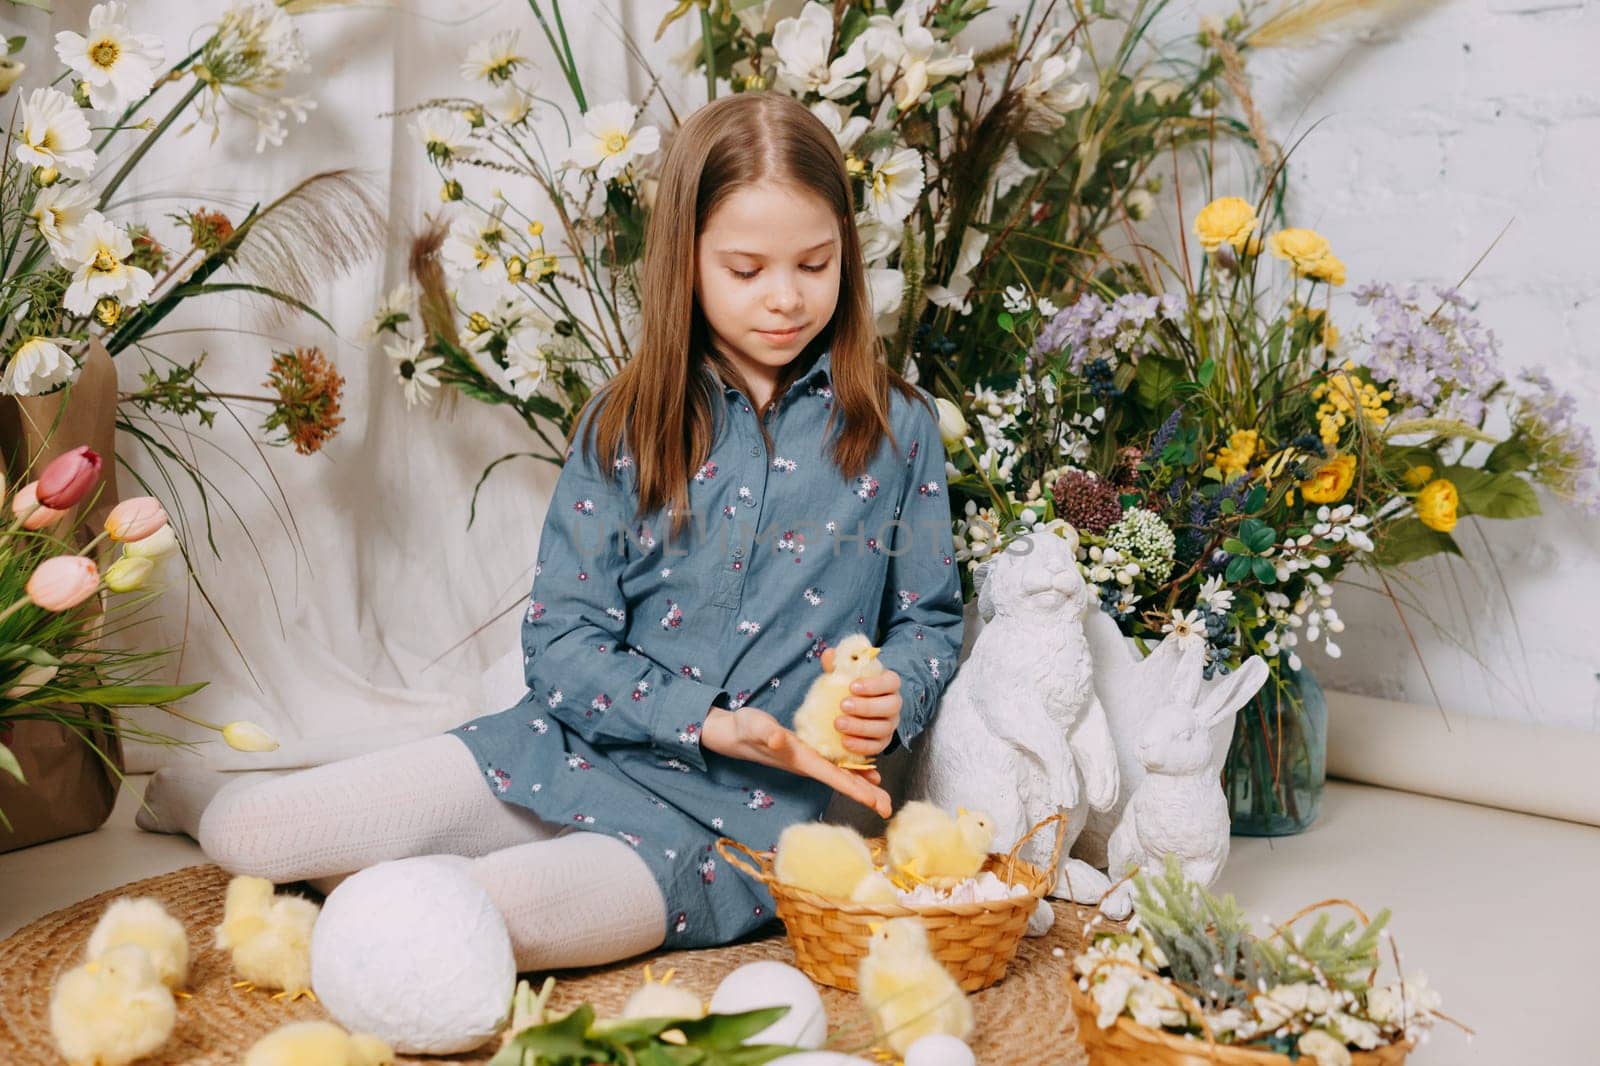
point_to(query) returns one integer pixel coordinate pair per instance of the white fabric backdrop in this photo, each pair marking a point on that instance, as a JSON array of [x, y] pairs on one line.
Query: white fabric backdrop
[[339, 622]]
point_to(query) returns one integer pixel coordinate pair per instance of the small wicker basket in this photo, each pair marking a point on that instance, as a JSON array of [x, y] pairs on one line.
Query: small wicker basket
[[975, 941]]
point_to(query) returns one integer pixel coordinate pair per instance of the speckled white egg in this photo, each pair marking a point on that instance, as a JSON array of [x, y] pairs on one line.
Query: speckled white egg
[[940, 1049], [414, 952], [774, 984]]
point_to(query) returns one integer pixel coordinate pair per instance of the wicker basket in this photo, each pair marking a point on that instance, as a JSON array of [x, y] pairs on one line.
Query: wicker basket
[[975, 941]]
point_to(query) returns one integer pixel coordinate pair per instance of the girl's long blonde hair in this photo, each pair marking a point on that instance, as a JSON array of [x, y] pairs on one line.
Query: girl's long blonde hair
[[662, 405]]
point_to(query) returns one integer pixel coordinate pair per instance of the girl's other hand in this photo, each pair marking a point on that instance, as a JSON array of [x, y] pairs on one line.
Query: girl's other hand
[[755, 736], [871, 713]]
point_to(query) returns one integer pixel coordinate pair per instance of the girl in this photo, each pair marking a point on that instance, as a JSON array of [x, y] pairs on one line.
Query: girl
[[752, 487]]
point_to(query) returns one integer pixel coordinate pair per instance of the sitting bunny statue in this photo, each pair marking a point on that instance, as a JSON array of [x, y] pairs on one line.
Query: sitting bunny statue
[[1020, 732]]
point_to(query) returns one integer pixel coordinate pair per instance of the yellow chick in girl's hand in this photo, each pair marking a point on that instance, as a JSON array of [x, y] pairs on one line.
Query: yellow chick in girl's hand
[[269, 937], [318, 1044], [144, 921], [830, 860], [813, 722], [907, 991], [926, 844], [111, 1010]]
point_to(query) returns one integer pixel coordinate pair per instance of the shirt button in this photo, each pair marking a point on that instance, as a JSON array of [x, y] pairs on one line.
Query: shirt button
[[738, 553], [755, 449]]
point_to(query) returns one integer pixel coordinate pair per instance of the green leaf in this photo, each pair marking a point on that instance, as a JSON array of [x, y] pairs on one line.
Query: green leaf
[[1238, 568], [1157, 381], [1208, 371], [127, 695], [1407, 539], [8, 763], [723, 1031], [27, 653], [1257, 498], [1235, 546], [1490, 495], [566, 1037], [1257, 534], [1508, 456], [1228, 506], [1007, 322], [14, 44], [1264, 571]]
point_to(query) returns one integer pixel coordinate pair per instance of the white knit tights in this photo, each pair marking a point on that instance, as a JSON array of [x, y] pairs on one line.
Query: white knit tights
[[569, 898]]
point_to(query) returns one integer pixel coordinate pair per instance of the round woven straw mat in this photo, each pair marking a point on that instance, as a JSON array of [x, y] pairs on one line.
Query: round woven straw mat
[[1026, 1018]]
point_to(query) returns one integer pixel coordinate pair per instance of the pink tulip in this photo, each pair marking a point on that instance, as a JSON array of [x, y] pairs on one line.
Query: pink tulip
[[63, 581], [26, 506], [135, 519], [69, 478]]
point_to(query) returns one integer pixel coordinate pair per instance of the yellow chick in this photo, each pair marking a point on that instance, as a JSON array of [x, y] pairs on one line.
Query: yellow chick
[[112, 1010], [269, 937], [907, 991], [318, 1044], [144, 921], [830, 860], [875, 888], [926, 844], [813, 722], [663, 999]]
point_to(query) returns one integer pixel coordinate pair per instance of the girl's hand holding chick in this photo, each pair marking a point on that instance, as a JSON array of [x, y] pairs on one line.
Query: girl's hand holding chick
[[752, 734], [872, 710]]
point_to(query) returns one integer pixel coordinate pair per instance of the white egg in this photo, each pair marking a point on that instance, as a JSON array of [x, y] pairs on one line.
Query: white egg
[[940, 1049], [774, 984], [416, 953]]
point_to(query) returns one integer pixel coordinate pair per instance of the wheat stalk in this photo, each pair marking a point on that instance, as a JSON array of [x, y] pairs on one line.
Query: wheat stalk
[[1298, 22]]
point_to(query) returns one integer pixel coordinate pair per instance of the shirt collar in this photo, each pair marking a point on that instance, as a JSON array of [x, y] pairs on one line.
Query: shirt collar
[[820, 372]]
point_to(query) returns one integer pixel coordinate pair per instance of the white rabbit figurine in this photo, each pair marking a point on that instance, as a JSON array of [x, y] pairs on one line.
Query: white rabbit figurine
[[1174, 802], [1020, 732]]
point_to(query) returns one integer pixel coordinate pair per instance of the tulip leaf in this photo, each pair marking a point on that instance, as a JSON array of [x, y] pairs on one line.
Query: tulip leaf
[[722, 1031], [27, 653], [131, 695], [8, 763]]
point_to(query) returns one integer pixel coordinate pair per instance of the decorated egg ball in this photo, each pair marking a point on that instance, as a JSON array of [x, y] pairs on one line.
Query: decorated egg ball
[[774, 984], [414, 952], [940, 1049]]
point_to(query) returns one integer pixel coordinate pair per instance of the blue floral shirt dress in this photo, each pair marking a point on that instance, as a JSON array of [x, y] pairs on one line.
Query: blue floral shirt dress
[[629, 641]]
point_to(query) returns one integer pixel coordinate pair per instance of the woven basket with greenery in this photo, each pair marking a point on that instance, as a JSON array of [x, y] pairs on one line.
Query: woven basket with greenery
[[975, 941]]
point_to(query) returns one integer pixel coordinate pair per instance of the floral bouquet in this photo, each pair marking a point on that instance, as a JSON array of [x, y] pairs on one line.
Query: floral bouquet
[[77, 271], [1224, 453], [52, 667], [987, 152], [1190, 966]]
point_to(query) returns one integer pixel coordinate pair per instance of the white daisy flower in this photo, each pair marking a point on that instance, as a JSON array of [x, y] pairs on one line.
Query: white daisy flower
[[54, 134], [395, 309], [117, 65], [527, 367], [38, 365], [59, 212], [99, 269], [1214, 596], [494, 60], [474, 243], [1186, 625], [613, 142], [846, 131], [895, 184], [444, 134], [802, 45], [415, 371], [255, 48]]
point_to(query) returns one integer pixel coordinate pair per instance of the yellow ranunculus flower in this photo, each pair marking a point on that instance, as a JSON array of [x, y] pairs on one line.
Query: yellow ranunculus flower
[[1228, 220], [1329, 269], [1331, 480], [1418, 476], [1436, 505], [1304, 248]]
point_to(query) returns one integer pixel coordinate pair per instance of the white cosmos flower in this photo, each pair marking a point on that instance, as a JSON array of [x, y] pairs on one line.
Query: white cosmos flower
[[879, 239], [802, 45], [886, 289], [54, 133], [510, 104], [393, 311], [494, 60], [845, 131], [612, 142], [526, 366], [255, 48], [59, 212], [38, 365], [444, 134], [896, 182], [1049, 93], [954, 294], [99, 269], [414, 371], [475, 243], [117, 65], [902, 50]]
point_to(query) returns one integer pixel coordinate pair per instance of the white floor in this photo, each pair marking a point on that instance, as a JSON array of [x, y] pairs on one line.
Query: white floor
[[1453, 874]]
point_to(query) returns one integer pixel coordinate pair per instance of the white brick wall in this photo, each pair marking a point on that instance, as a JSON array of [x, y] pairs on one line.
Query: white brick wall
[[1432, 134]]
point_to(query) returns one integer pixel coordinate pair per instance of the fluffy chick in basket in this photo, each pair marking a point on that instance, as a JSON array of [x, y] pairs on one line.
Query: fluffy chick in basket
[[830, 860], [111, 1010], [907, 991], [144, 921], [926, 844], [814, 721], [318, 1044], [268, 937]]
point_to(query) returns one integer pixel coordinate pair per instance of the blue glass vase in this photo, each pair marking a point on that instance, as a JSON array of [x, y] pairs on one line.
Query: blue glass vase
[[1277, 763]]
